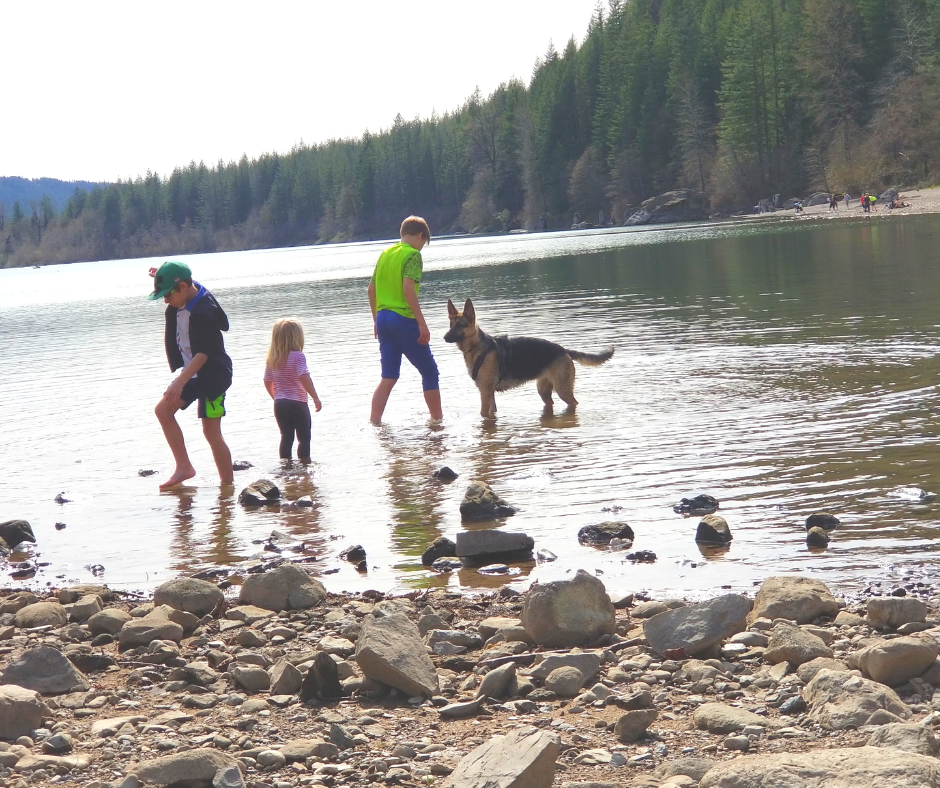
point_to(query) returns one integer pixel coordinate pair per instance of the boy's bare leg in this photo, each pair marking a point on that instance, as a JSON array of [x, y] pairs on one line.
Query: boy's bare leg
[[166, 415], [433, 398], [380, 398], [212, 429]]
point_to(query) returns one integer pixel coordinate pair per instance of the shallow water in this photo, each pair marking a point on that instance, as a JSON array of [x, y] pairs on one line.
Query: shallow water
[[782, 369]]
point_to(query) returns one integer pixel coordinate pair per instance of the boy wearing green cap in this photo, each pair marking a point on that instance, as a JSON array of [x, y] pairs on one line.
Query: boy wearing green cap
[[194, 344]]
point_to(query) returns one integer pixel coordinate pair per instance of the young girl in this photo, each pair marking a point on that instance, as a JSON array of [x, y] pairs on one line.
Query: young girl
[[287, 380]]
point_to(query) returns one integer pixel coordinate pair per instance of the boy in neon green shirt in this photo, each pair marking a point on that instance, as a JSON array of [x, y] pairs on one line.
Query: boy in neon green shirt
[[398, 323]]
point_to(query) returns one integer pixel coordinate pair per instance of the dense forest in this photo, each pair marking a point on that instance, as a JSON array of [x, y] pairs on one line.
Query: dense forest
[[738, 99], [26, 190]]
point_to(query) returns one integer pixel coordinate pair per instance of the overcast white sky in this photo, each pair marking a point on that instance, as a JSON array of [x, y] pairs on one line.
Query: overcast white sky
[[101, 90]]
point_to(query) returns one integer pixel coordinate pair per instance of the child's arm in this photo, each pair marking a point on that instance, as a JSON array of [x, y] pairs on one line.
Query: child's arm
[[175, 390], [372, 305], [410, 291], [307, 383], [269, 387]]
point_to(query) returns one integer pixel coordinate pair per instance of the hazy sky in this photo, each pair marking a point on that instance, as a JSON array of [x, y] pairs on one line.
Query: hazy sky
[[102, 90]]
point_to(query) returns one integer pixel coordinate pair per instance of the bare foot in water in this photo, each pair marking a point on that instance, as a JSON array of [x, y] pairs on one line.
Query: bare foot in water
[[179, 476]]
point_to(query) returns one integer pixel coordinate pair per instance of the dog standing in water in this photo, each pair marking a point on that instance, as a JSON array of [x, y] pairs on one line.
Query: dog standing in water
[[501, 363]]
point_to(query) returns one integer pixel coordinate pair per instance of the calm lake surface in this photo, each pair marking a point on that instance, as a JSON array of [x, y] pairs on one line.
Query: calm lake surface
[[782, 368]]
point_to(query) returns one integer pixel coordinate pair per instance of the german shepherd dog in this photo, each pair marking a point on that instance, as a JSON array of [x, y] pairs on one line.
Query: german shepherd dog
[[502, 362]]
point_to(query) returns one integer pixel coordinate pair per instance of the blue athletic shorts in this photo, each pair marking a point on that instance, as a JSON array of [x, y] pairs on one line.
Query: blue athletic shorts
[[398, 336], [208, 407]]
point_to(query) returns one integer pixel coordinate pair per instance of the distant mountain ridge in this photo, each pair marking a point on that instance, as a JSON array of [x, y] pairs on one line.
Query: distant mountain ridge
[[13, 188]]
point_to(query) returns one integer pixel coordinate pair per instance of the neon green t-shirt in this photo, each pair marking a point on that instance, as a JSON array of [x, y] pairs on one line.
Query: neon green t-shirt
[[395, 264]]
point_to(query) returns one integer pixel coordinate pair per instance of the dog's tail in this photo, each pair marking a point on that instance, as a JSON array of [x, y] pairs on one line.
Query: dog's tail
[[591, 359]]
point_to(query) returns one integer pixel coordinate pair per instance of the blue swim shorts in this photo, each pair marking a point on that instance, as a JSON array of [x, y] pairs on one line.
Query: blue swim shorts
[[209, 406], [398, 336]]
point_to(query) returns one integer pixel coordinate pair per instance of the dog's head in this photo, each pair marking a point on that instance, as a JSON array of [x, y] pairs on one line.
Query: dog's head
[[462, 324]]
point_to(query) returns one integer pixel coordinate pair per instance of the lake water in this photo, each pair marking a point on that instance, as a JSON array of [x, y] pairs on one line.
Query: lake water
[[784, 369]]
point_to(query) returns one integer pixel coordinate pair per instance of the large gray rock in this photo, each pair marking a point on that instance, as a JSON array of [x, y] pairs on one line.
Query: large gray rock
[[46, 670], [496, 682], [723, 719], [471, 544], [15, 532], [807, 670], [108, 621], [696, 628], [390, 650], [588, 662], [713, 529], [799, 599], [21, 711], [143, 631], [896, 661], [524, 758], [566, 613], [481, 503], [187, 768], [794, 645], [565, 681], [285, 678], [680, 205], [907, 737], [837, 700], [187, 593], [84, 608], [836, 768], [633, 725], [251, 678], [42, 614], [890, 612], [288, 587]]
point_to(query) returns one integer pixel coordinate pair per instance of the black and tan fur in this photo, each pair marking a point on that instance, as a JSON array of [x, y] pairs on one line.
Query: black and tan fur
[[501, 363]]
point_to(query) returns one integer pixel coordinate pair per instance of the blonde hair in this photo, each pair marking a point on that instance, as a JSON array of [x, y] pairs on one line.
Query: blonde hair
[[287, 335]]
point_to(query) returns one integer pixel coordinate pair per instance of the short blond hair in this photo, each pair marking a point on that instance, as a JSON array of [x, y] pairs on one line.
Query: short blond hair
[[415, 225], [286, 335]]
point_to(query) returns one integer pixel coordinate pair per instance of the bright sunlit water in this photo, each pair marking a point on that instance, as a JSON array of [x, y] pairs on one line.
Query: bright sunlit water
[[784, 369]]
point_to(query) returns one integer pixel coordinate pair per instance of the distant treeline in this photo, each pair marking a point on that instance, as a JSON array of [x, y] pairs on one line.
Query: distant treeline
[[740, 99], [27, 191]]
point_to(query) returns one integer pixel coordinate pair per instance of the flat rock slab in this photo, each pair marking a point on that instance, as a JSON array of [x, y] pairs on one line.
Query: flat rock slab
[[524, 758], [697, 627], [836, 768], [723, 719], [46, 670], [182, 767], [839, 700], [799, 599], [108, 727], [907, 737], [390, 650], [67, 762], [471, 544]]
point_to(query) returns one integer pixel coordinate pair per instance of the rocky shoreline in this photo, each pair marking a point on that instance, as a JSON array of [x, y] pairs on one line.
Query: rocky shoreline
[[278, 683]]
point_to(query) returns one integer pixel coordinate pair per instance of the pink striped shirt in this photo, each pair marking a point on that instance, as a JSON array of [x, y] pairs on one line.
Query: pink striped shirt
[[286, 380]]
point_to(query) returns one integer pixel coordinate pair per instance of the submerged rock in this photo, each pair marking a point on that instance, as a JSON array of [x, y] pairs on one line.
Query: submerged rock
[[481, 503], [354, 554], [699, 505], [822, 520], [713, 529], [476, 544], [817, 537], [260, 493], [603, 533], [15, 532], [442, 547], [445, 474]]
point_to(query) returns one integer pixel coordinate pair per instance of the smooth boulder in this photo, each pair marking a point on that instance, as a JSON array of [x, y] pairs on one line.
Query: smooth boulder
[[41, 614], [695, 628], [442, 547], [713, 529], [906, 736], [890, 612], [566, 613], [21, 711], [848, 767], [288, 587], [723, 719], [837, 700], [524, 758], [794, 598], [189, 767], [187, 593], [791, 644], [893, 662], [390, 650]]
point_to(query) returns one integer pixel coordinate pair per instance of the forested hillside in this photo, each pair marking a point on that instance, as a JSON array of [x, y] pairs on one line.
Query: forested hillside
[[740, 99], [32, 190]]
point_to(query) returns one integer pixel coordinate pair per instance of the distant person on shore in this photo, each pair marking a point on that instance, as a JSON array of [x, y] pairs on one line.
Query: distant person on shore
[[833, 203], [288, 381], [846, 200], [866, 203], [194, 344], [398, 323]]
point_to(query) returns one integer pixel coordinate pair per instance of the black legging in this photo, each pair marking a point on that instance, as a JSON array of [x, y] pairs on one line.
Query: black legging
[[293, 416]]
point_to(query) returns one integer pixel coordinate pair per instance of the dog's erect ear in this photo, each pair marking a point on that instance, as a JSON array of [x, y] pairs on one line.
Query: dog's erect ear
[[451, 309], [469, 312]]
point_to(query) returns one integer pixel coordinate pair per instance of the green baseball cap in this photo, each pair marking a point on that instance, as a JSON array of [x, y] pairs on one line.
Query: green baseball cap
[[167, 277]]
